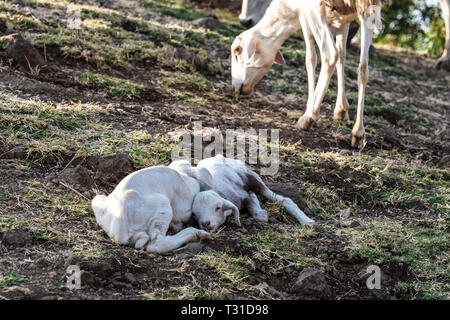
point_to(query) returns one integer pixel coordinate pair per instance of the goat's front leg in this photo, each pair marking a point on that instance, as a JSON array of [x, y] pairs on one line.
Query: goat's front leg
[[323, 36], [308, 119], [358, 132], [254, 208], [164, 243], [341, 109]]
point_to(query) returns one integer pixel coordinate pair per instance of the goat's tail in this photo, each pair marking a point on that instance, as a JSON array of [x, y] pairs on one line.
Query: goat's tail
[[258, 186]]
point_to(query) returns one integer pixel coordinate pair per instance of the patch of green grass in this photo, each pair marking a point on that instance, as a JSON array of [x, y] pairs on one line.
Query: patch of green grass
[[114, 87], [173, 8], [35, 120], [278, 249], [388, 65], [3, 44], [424, 249], [9, 278], [232, 271], [286, 88], [21, 22]]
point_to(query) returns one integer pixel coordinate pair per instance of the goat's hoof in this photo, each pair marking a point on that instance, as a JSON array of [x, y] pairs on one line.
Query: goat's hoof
[[341, 115], [305, 122], [443, 64], [359, 142], [310, 224], [261, 216], [203, 235]]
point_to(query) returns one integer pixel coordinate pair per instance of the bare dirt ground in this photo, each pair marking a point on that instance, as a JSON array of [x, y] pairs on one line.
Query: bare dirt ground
[[110, 98]]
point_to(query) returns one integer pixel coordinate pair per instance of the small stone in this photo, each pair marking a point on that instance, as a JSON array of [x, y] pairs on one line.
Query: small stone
[[17, 238], [78, 177], [41, 262], [113, 168], [22, 52], [88, 279], [210, 23], [130, 277], [354, 224], [312, 282], [393, 115], [193, 247]]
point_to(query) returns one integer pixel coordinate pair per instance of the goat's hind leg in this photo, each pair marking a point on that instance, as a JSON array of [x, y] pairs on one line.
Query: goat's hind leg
[[164, 243], [358, 132], [254, 208]]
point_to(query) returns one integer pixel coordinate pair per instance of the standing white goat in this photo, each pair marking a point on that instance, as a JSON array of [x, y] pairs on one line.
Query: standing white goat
[[324, 21], [145, 203], [253, 10]]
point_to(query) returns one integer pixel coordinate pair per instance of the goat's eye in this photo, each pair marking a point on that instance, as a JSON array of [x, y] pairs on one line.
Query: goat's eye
[[218, 208], [237, 50]]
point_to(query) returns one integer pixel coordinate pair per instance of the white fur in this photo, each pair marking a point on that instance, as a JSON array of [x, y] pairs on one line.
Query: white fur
[[329, 32], [145, 203], [232, 180]]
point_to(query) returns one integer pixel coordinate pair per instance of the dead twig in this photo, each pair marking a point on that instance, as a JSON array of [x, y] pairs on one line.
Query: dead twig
[[72, 189]]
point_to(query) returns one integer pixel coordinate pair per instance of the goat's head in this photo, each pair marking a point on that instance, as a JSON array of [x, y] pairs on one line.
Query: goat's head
[[251, 57], [211, 210]]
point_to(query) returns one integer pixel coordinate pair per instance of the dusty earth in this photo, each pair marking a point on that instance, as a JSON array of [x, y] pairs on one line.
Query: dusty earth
[[107, 103]]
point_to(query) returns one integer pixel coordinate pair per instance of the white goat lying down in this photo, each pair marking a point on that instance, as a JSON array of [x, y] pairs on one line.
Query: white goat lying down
[[146, 203], [232, 180], [324, 21]]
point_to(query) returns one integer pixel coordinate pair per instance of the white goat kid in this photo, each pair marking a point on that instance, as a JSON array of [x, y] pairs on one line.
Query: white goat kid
[[147, 202], [324, 21], [232, 180]]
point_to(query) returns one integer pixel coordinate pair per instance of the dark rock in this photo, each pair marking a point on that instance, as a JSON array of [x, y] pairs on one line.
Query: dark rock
[[113, 168], [22, 52], [391, 136], [130, 278], [17, 238], [443, 64], [210, 23], [88, 279], [121, 285], [184, 54], [41, 262], [393, 115], [354, 224], [3, 26], [77, 177], [223, 4], [193, 247], [444, 162], [312, 282]]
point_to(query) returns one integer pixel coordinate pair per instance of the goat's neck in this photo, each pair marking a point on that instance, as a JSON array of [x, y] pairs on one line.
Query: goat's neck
[[278, 24]]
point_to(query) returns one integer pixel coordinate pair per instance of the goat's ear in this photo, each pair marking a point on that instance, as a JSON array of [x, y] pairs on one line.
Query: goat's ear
[[228, 205], [204, 177], [279, 58], [252, 47]]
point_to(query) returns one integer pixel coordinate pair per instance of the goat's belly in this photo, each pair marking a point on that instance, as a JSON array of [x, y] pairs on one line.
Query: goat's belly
[[337, 20]]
